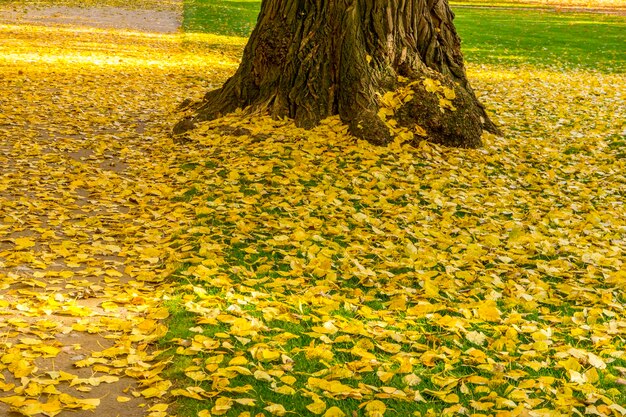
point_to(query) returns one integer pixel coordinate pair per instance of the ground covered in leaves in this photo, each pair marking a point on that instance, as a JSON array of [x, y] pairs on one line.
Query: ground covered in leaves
[[340, 277], [85, 214], [307, 273]]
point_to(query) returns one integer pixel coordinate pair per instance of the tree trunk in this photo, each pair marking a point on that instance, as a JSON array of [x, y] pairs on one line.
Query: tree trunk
[[384, 66]]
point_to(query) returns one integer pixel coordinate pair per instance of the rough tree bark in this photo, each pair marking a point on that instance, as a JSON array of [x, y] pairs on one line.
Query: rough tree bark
[[310, 59]]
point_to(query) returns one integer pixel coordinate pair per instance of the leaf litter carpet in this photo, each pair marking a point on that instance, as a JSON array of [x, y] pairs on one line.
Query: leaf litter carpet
[[324, 276], [84, 210], [334, 278]]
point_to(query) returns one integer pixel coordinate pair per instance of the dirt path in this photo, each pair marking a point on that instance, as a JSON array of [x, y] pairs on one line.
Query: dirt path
[[85, 210], [159, 21]]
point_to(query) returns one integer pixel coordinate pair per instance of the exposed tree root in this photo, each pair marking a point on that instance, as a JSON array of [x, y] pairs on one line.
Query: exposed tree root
[[308, 60]]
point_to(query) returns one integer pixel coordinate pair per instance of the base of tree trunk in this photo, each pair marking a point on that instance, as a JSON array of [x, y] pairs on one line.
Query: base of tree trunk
[[386, 67]]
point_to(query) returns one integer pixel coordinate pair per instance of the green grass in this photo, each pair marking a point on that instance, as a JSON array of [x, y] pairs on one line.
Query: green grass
[[510, 36], [181, 320], [221, 17], [543, 38]]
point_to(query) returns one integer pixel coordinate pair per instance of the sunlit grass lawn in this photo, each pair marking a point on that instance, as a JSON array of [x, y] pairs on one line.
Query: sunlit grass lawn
[[437, 281], [543, 38], [563, 5], [490, 36]]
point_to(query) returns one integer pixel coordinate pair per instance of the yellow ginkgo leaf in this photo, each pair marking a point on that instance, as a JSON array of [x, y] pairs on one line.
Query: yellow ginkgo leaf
[[21, 368], [478, 338], [288, 379], [88, 403], [431, 85], [267, 355], [375, 408], [246, 401], [334, 411], [23, 243], [276, 409], [13, 400], [488, 311], [222, 405], [448, 93], [238, 360], [420, 131], [159, 407], [285, 390], [317, 407]]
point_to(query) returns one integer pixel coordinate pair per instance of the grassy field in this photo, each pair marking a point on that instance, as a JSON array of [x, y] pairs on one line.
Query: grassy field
[[222, 17], [542, 38], [324, 277], [598, 5], [510, 36]]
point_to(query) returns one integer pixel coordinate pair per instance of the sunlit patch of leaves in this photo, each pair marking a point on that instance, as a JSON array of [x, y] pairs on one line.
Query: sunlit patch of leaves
[[86, 4], [87, 211]]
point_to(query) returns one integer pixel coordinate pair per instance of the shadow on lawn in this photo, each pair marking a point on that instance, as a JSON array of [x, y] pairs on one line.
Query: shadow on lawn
[[221, 17]]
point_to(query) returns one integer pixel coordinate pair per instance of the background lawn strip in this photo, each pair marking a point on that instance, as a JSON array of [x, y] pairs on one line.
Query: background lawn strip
[[491, 35]]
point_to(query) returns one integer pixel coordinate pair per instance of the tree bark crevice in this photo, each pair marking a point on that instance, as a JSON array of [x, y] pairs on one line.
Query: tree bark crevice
[[311, 59]]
